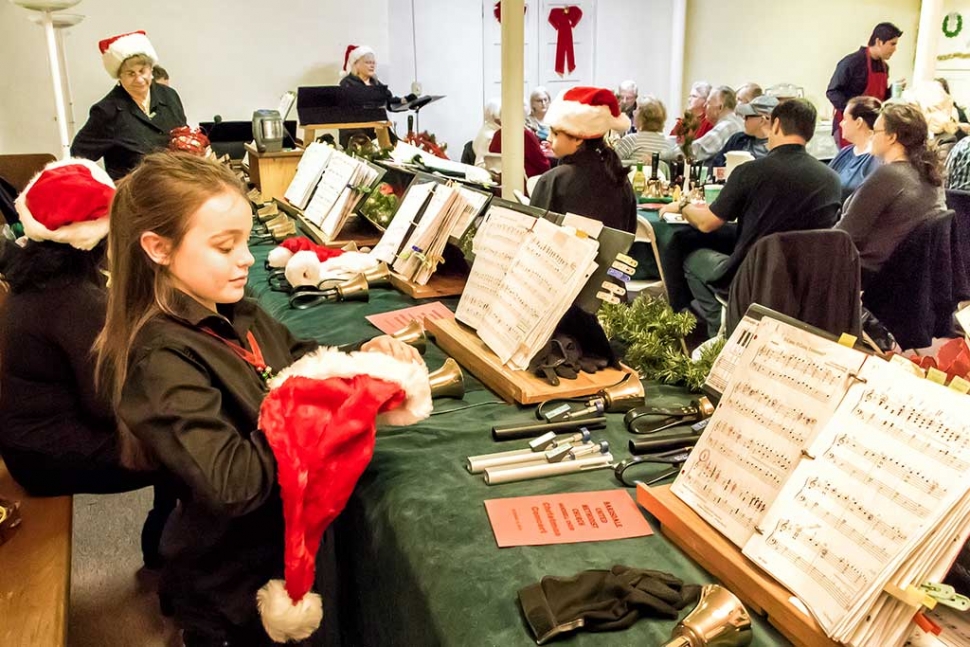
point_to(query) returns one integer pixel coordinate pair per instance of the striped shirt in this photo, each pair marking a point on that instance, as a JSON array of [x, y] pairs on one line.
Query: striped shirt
[[639, 146]]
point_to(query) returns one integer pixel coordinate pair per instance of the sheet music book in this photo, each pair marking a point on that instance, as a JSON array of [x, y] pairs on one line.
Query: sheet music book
[[308, 173], [427, 240], [546, 269], [394, 236], [837, 473], [340, 188], [475, 202]]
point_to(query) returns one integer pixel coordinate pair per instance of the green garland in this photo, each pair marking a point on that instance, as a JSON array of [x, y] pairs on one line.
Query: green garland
[[946, 21], [653, 335]]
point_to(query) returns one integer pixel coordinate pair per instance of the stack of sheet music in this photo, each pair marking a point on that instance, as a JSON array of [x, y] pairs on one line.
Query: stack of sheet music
[[308, 173], [527, 272], [844, 476], [344, 181], [428, 215]]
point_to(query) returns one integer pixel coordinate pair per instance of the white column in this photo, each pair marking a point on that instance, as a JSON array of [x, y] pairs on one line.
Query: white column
[[927, 39], [513, 113], [53, 57], [678, 32]]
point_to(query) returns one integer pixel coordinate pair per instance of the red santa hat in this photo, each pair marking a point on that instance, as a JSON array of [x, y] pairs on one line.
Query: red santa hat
[[320, 418], [586, 113], [280, 256], [352, 54], [67, 202], [305, 268], [117, 49]]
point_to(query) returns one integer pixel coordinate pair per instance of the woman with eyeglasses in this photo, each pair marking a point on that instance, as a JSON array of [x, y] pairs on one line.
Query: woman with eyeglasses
[[136, 117], [899, 195]]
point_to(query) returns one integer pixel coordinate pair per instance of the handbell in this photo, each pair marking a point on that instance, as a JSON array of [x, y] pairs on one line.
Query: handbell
[[283, 232], [718, 620], [447, 381], [378, 277], [355, 289], [413, 335], [623, 396]]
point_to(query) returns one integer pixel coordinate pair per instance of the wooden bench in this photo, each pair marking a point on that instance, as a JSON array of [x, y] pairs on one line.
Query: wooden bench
[[35, 570]]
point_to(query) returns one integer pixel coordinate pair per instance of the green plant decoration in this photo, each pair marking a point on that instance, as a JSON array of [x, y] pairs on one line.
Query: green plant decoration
[[653, 336]]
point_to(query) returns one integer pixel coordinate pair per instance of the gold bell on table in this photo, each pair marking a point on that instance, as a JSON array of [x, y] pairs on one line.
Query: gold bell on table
[[448, 381], [413, 335]]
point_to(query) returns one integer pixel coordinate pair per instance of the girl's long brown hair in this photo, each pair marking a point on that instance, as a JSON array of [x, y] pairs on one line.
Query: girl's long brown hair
[[159, 196]]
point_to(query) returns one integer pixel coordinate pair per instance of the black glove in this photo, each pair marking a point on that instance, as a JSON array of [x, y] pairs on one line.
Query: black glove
[[408, 98], [602, 600]]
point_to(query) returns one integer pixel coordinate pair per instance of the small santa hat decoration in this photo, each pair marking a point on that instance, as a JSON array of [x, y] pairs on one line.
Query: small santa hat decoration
[[185, 139], [117, 49], [281, 255], [320, 420], [305, 267], [67, 202], [587, 113], [352, 54]]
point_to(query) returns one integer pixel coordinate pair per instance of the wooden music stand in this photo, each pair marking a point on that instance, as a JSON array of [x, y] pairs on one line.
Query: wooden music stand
[[380, 127]]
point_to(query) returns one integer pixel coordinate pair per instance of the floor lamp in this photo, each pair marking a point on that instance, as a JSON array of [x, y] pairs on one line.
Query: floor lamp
[[49, 20]]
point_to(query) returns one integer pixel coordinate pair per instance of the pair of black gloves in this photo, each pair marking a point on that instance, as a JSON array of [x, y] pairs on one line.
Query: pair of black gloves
[[599, 600], [563, 357]]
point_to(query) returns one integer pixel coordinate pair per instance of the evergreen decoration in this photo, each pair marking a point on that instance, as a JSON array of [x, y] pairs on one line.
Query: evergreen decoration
[[381, 205], [952, 33], [653, 336]]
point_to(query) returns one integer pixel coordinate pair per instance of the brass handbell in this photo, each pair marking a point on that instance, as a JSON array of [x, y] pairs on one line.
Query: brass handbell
[[284, 231], [267, 212], [623, 396], [413, 335], [448, 381], [355, 289], [378, 277], [276, 221], [718, 620]]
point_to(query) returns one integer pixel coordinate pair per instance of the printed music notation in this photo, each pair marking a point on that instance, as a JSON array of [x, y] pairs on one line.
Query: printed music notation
[[763, 423], [889, 465], [730, 355]]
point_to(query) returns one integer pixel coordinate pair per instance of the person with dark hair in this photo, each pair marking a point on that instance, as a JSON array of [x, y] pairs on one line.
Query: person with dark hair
[[787, 190], [863, 72], [58, 432], [855, 162], [902, 193], [590, 180], [136, 117], [160, 75]]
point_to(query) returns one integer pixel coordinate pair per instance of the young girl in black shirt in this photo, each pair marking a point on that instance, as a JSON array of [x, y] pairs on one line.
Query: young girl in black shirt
[[185, 356]]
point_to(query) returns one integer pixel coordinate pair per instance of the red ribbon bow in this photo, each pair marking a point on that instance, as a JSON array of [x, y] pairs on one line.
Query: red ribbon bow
[[564, 19]]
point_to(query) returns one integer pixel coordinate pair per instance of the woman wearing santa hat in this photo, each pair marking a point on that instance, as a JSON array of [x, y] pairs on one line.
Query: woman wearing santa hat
[[589, 180], [58, 433], [136, 117], [264, 435], [360, 71]]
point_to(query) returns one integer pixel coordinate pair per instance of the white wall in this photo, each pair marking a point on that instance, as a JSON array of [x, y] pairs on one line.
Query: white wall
[[226, 57], [790, 41]]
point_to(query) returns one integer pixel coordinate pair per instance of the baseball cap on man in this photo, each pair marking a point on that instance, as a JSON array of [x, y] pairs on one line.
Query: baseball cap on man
[[762, 105]]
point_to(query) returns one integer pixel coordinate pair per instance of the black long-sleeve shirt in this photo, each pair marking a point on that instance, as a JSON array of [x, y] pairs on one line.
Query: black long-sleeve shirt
[[119, 130], [580, 185], [850, 77], [195, 403]]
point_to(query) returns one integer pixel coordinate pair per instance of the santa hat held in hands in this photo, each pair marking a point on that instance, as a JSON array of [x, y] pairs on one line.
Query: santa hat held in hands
[[319, 419], [586, 113], [352, 54], [67, 202], [117, 49]]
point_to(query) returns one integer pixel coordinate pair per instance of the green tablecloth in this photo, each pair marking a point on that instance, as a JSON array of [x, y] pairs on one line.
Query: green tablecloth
[[416, 562]]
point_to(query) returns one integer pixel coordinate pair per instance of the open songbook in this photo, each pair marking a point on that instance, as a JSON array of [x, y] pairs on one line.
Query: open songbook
[[527, 272], [840, 474], [336, 183]]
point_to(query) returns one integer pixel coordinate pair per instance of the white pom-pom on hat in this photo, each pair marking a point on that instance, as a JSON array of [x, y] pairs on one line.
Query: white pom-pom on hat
[[117, 49]]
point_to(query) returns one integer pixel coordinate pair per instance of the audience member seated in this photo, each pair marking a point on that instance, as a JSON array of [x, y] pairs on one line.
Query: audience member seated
[[697, 104], [590, 180], [648, 139], [58, 432], [536, 119], [754, 138], [788, 190], [626, 95], [536, 162], [748, 92], [855, 162], [136, 117], [902, 193], [720, 112], [492, 122], [958, 166]]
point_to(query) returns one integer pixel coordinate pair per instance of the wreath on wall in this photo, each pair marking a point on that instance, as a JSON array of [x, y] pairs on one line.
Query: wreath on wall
[[952, 33]]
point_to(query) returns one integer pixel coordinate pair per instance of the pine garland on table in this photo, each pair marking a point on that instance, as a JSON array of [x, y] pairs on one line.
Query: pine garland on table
[[653, 334]]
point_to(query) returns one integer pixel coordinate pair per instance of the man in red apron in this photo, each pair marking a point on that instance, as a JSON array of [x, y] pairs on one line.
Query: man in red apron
[[864, 72]]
